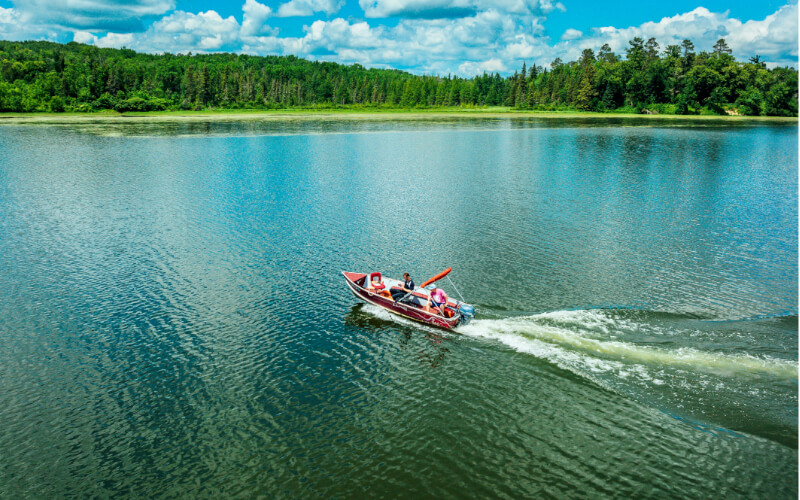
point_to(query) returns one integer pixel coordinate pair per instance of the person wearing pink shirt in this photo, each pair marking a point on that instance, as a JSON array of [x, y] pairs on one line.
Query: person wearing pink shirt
[[437, 299]]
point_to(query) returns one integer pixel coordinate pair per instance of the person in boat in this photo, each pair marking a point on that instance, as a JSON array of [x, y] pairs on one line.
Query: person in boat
[[436, 301], [404, 289]]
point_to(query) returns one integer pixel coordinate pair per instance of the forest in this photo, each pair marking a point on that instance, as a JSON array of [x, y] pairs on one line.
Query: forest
[[39, 76]]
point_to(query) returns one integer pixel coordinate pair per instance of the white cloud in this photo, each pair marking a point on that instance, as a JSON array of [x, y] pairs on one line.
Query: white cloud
[[255, 16], [184, 31], [8, 22], [92, 14], [177, 32], [769, 37], [468, 46], [340, 33], [113, 40], [309, 7], [116, 40], [14, 25], [84, 37], [477, 43], [336, 40], [492, 38], [438, 9], [262, 45], [547, 6], [8, 16], [204, 23], [417, 8], [477, 68], [774, 37], [571, 34]]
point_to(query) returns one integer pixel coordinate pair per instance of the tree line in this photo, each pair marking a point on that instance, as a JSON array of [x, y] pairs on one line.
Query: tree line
[[47, 76]]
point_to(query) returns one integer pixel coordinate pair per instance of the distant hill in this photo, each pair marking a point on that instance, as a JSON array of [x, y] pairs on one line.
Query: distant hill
[[46, 76]]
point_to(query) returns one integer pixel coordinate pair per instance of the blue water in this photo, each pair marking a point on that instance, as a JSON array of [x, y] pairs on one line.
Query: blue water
[[174, 321]]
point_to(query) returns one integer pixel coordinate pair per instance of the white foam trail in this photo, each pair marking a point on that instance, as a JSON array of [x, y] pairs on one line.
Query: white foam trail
[[571, 338]]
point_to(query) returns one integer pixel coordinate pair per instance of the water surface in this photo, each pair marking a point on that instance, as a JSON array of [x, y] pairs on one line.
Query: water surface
[[174, 321]]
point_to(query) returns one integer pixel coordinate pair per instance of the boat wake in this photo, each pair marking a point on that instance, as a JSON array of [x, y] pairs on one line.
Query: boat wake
[[691, 369], [599, 341]]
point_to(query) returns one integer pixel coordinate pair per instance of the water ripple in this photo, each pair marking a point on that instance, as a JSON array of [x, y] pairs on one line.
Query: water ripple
[[174, 323]]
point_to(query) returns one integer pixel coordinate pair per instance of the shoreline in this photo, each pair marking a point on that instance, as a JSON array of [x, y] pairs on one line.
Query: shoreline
[[355, 114]]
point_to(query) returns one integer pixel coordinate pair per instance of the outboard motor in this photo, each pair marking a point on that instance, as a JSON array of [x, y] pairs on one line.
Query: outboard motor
[[467, 313]]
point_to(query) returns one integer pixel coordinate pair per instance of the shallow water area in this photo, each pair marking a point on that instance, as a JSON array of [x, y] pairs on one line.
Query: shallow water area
[[174, 321]]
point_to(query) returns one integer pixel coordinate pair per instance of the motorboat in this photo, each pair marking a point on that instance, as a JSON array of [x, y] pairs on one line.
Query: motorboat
[[387, 294]]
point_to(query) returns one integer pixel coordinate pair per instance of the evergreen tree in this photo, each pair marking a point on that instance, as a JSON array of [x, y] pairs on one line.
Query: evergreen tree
[[202, 85], [606, 54], [721, 47], [636, 53], [46, 76], [587, 57], [585, 95], [651, 48], [608, 99]]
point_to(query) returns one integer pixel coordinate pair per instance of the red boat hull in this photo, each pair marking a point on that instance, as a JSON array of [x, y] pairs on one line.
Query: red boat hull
[[356, 283]]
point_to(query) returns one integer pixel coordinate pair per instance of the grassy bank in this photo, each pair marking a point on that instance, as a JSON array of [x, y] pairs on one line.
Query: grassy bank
[[356, 113]]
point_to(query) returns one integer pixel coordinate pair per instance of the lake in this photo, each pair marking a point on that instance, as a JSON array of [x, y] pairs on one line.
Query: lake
[[174, 321]]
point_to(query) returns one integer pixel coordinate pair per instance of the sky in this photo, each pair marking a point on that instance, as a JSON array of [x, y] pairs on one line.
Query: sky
[[462, 37]]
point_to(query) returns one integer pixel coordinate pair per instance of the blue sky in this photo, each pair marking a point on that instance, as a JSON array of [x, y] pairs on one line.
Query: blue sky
[[463, 37]]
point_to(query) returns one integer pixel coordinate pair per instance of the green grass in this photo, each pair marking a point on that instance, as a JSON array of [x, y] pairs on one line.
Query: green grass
[[355, 112]]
